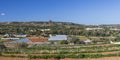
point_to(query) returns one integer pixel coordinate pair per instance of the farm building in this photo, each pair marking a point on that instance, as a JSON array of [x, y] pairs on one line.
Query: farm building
[[37, 40], [28, 40], [57, 38], [12, 43], [20, 35], [10, 38]]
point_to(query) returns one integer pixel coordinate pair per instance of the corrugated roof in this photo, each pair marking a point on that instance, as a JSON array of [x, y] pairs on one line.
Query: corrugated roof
[[21, 40], [58, 37], [29, 40], [37, 39]]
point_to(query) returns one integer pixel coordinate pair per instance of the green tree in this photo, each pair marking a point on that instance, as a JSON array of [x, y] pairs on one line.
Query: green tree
[[64, 42]]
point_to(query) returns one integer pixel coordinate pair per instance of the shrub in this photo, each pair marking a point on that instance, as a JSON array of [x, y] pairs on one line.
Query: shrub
[[58, 56], [21, 45], [96, 55], [0, 53]]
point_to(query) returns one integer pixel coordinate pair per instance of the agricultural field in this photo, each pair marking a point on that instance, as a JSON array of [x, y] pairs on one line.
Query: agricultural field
[[82, 52]]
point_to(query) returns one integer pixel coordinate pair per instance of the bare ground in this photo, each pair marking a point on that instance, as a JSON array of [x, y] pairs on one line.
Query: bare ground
[[105, 58]]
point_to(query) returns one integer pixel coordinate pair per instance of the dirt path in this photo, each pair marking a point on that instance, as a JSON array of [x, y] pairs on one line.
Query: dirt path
[[9, 58], [105, 58]]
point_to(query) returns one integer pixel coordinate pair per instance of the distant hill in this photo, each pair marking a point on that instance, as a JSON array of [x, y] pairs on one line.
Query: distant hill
[[67, 28], [44, 24], [35, 27]]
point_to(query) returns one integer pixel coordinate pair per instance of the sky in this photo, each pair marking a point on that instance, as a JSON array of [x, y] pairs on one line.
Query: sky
[[76, 11]]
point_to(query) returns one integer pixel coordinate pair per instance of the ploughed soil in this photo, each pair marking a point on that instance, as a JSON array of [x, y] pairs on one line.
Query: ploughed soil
[[105, 58]]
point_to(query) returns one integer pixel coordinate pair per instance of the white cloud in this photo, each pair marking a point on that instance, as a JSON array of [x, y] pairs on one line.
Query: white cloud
[[2, 14]]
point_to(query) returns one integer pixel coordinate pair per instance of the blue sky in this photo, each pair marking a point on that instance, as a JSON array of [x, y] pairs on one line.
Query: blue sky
[[76, 11]]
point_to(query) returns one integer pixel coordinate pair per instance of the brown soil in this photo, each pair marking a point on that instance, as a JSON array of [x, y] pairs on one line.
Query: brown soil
[[105, 58], [9, 58]]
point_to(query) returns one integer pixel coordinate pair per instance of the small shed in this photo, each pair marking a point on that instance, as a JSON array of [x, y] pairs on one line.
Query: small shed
[[86, 41]]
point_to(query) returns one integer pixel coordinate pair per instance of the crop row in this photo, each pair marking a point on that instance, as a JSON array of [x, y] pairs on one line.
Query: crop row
[[62, 56]]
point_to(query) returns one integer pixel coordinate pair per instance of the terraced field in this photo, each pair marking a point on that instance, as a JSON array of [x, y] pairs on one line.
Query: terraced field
[[65, 52], [105, 58]]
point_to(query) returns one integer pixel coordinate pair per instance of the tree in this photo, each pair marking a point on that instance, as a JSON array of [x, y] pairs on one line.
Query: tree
[[74, 40], [21, 45], [64, 42]]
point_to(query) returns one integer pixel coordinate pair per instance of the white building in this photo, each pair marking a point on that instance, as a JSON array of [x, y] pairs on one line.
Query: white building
[[94, 28]]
